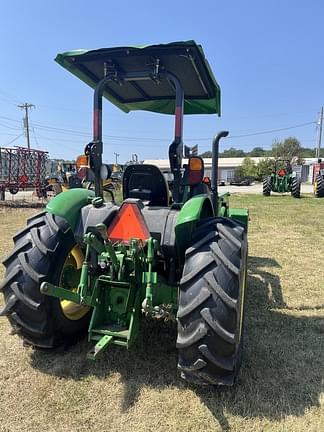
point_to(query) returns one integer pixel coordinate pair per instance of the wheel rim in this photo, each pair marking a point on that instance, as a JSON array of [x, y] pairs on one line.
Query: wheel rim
[[69, 279], [315, 187]]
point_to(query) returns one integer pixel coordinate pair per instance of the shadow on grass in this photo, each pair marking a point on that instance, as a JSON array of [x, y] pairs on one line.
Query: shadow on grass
[[281, 372], [285, 194], [282, 369]]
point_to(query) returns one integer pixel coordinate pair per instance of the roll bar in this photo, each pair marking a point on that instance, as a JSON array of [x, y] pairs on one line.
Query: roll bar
[[95, 148]]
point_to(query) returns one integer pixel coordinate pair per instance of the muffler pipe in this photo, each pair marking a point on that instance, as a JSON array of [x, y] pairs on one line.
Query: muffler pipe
[[214, 173]]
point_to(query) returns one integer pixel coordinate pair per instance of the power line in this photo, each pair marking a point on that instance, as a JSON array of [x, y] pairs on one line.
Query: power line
[[9, 127], [10, 142], [10, 119], [68, 143], [87, 134], [261, 132], [7, 99], [7, 134], [110, 144], [34, 133], [128, 138], [14, 101], [273, 130]]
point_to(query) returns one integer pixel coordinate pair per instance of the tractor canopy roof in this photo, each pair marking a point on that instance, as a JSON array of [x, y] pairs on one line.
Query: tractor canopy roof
[[186, 60]]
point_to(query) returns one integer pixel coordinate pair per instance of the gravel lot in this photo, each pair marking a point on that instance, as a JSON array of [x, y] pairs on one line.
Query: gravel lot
[[253, 189], [257, 188]]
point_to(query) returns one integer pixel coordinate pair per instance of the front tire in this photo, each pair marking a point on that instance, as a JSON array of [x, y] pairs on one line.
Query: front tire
[[319, 186], [40, 254], [267, 186], [211, 303], [295, 187]]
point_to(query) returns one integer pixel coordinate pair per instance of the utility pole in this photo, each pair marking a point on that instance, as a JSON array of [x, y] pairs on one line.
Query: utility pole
[[320, 123], [116, 154], [26, 106]]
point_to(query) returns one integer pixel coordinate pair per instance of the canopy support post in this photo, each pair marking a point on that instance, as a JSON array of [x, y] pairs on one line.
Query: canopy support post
[[95, 148]]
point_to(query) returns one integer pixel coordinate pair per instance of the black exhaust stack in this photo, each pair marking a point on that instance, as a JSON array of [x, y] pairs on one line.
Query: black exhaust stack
[[214, 173]]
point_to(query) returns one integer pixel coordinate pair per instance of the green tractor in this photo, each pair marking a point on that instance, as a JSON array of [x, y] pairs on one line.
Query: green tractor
[[283, 179], [89, 266]]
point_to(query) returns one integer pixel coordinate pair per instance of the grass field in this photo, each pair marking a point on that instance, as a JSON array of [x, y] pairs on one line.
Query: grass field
[[281, 382]]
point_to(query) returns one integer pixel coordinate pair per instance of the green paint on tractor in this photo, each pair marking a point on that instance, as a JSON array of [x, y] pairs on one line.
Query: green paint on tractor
[[171, 251], [68, 204], [193, 210]]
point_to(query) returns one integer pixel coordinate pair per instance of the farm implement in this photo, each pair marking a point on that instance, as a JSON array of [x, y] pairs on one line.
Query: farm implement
[[86, 265], [21, 169]]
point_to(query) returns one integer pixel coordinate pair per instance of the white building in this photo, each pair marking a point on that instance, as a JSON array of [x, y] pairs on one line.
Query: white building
[[226, 166]]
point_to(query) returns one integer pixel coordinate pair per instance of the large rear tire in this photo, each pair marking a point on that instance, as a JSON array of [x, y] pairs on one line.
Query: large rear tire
[[211, 303], [295, 187], [42, 253], [319, 186], [267, 186]]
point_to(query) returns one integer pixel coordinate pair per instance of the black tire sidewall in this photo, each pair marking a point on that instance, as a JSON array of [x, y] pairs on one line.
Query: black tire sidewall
[[295, 187], [266, 186], [34, 262], [320, 186], [188, 353]]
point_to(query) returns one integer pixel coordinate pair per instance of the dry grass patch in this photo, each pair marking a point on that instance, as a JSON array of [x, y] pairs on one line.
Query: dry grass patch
[[281, 381]]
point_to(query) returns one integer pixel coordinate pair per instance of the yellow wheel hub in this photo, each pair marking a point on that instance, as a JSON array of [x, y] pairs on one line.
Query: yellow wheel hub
[[315, 187], [69, 278]]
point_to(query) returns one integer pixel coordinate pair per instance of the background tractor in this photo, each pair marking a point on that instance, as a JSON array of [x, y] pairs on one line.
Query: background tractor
[[86, 265], [67, 176], [114, 182], [283, 179], [77, 175], [318, 179]]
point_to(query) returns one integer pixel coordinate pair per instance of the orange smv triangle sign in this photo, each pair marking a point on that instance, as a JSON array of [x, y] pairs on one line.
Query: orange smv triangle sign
[[128, 224]]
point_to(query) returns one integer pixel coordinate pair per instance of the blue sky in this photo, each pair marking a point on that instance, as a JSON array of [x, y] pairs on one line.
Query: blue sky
[[267, 56]]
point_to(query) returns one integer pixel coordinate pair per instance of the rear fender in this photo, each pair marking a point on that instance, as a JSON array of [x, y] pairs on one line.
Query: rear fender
[[68, 204], [197, 208], [241, 215]]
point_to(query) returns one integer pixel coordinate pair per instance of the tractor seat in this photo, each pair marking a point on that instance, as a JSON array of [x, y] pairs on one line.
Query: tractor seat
[[147, 183]]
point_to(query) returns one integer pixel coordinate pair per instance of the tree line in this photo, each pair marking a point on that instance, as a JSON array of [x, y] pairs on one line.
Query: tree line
[[288, 148]]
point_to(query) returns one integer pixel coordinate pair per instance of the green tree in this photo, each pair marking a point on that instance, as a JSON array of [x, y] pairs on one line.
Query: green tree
[[247, 169], [264, 168], [288, 149], [233, 152], [307, 152], [258, 152], [206, 154]]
